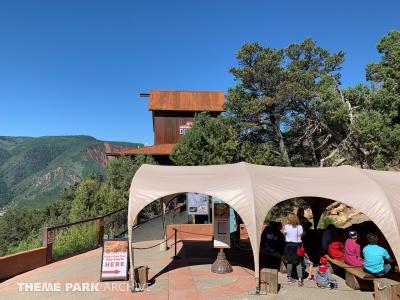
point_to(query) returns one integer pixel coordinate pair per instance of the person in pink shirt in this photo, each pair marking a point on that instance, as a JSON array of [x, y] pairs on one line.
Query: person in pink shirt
[[352, 253]]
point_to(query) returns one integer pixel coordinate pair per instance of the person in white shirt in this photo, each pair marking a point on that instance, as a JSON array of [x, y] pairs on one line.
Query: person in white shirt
[[293, 232]]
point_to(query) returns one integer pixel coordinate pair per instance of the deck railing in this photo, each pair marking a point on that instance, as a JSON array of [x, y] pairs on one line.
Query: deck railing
[[68, 239], [75, 237]]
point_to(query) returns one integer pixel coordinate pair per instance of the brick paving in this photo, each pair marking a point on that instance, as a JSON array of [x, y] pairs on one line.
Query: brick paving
[[186, 278]]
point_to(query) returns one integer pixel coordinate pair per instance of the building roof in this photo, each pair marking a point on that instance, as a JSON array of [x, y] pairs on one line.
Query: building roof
[[162, 149], [186, 100]]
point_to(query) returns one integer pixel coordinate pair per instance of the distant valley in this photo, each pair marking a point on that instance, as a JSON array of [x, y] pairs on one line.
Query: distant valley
[[33, 171]]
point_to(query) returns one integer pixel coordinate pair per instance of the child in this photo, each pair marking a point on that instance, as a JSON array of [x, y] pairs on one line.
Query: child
[[352, 254], [308, 266], [324, 275], [376, 259]]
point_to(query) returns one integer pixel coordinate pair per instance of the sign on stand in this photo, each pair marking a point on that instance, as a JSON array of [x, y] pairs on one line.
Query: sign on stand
[[197, 204], [222, 237], [114, 260]]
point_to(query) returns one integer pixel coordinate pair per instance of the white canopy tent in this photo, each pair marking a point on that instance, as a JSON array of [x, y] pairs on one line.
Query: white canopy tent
[[252, 190]]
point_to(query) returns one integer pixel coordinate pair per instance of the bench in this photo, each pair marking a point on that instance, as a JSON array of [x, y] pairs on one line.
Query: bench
[[386, 289], [355, 277]]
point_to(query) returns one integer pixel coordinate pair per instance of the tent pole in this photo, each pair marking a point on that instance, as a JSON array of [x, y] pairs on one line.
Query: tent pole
[[131, 261]]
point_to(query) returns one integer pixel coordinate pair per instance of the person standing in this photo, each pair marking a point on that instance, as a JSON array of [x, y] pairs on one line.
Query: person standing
[[293, 232], [352, 252]]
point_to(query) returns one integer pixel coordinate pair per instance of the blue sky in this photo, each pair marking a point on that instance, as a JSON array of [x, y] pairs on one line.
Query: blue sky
[[77, 67]]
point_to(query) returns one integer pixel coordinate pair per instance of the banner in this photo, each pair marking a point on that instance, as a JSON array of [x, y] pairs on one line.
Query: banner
[[197, 204], [222, 237], [114, 260]]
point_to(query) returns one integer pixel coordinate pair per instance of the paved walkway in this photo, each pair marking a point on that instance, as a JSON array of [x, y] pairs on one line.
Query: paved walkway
[[186, 278]]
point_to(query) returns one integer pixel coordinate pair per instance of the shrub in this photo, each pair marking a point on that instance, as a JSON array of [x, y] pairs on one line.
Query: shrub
[[33, 241], [325, 221], [75, 239]]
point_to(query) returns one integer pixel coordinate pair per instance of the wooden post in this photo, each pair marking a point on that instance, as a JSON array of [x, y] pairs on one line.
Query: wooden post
[[100, 231], [142, 277], [269, 280], [48, 238], [386, 289]]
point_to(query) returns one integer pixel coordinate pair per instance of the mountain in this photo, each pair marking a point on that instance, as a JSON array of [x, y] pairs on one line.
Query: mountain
[[34, 170]]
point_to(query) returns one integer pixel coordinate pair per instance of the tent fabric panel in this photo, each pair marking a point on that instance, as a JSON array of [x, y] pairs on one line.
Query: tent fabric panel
[[253, 190]]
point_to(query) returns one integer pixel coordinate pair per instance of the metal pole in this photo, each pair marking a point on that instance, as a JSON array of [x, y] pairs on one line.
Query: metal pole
[[208, 212], [175, 231], [163, 246]]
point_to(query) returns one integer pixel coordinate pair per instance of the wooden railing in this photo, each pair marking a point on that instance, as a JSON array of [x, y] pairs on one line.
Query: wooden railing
[[11, 265], [50, 233], [117, 229], [21, 262]]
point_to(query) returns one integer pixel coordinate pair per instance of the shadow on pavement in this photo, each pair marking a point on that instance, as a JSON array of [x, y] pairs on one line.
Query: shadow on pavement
[[194, 253]]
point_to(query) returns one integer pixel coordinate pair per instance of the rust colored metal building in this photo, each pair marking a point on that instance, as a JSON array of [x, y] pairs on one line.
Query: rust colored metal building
[[173, 113]]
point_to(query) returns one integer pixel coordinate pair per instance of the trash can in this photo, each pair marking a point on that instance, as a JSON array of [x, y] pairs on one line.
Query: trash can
[[141, 277]]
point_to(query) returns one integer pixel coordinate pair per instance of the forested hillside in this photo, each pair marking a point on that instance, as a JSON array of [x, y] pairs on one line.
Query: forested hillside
[[33, 171], [21, 227]]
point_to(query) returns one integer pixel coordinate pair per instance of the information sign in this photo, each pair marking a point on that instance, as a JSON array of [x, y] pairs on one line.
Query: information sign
[[114, 262]]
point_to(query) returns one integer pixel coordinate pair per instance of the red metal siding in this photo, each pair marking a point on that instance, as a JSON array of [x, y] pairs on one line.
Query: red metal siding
[[186, 101], [166, 126]]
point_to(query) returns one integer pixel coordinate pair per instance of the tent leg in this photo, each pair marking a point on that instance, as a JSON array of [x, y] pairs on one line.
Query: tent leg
[[132, 280], [256, 292], [317, 205], [257, 285]]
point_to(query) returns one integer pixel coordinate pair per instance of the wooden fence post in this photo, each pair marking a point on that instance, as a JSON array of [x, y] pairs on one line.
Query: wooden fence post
[[100, 231], [48, 237]]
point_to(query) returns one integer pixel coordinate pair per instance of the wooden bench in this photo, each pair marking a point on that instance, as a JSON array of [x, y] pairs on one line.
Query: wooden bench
[[386, 289], [355, 277]]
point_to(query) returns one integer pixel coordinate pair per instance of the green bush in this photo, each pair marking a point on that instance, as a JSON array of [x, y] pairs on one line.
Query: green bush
[[33, 241], [324, 222], [75, 239]]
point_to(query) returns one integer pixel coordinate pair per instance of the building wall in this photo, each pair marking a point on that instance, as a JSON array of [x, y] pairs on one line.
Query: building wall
[[166, 125]]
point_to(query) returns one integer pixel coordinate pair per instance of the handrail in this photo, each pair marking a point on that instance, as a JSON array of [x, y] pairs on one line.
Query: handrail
[[104, 216], [151, 219], [86, 220], [155, 217]]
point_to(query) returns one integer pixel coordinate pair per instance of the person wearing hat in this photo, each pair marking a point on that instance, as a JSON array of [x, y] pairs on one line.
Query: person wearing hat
[[352, 252], [323, 275]]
